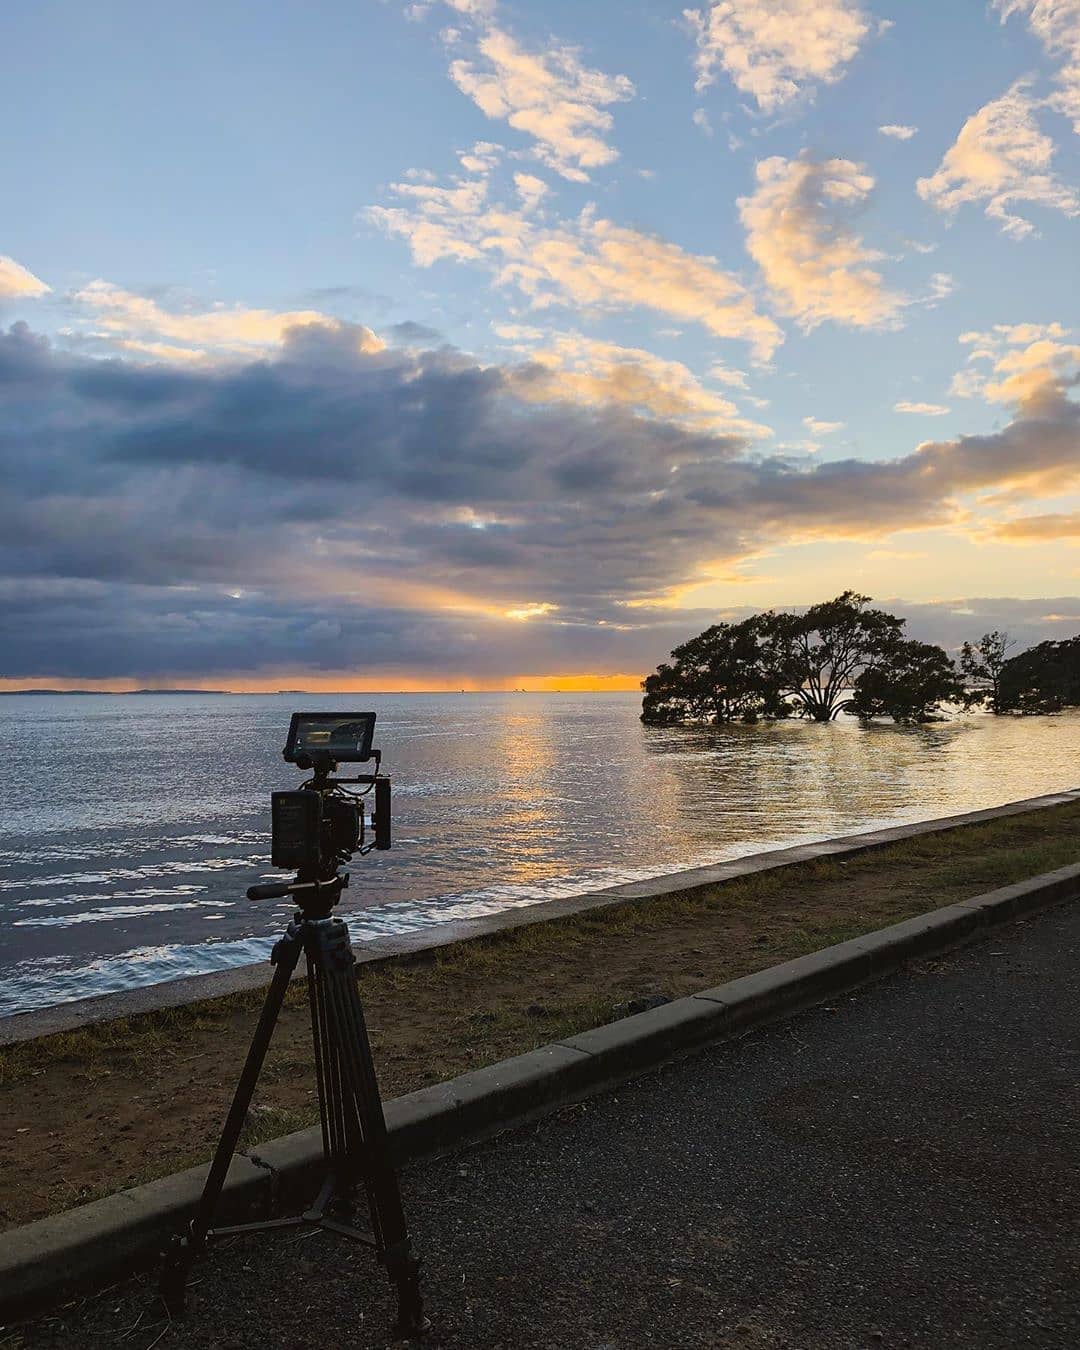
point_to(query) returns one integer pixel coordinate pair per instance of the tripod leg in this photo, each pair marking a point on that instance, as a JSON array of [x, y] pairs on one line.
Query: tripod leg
[[185, 1250], [349, 1031]]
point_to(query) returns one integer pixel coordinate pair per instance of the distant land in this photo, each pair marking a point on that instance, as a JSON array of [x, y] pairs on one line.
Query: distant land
[[125, 692]]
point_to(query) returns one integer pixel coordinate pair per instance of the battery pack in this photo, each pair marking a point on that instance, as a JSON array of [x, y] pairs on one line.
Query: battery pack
[[295, 821]]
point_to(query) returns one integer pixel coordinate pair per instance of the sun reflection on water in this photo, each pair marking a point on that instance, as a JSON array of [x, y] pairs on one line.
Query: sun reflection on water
[[131, 827]]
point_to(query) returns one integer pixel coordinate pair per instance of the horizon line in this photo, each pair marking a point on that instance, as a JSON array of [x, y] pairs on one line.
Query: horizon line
[[313, 693]]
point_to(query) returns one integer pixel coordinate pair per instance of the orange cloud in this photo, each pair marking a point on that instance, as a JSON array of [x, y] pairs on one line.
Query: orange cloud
[[812, 261], [137, 322], [587, 262], [1031, 362], [16, 280], [1063, 525], [1001, 157], [576, 369], [550, 96], [774, 50]]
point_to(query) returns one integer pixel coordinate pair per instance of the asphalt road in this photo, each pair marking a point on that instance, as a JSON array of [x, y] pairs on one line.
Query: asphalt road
[[900, 1169]]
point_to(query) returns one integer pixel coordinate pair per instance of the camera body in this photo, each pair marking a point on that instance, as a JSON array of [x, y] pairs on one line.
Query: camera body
[[312, 831]]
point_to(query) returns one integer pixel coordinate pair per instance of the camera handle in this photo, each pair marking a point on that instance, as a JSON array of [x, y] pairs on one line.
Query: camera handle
[[273, 890]]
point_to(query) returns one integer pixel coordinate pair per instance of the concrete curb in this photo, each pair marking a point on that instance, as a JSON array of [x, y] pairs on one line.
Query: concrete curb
[[43, 1262], [215, 984]]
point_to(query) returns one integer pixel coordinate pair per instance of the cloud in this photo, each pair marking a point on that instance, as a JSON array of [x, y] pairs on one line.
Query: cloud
[[518, 332], [942, 286], [530, 189], [921, 409], [818, 428], [1056, 23], [586, 262], [1001, 157], [17, 281], [136, 322], [549, 96], [949, 622], [1064, 525], [162, 351], [475, 9], [534, 610], [700, 119], [576, 369], [412, 333], [446, 222], [1031, 363], [482, 158], [220, 517], [776, 50], [897, 131], [798, 231], [725, 375]]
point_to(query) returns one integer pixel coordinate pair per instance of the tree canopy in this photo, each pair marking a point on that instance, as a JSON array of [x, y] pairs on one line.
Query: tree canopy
[[843, 656], [811, 665], [721, 675], [910, 686], [1044, 679], [981, 664], [816, 658]]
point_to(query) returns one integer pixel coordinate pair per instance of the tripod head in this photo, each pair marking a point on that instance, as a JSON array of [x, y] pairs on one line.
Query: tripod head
[[320, 825]]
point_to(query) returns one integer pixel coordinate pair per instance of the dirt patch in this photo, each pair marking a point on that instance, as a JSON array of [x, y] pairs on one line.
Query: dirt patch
[[89, 1112]]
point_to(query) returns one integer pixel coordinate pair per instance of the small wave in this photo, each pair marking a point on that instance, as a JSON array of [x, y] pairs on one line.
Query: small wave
[[151, 870], [99, 849], [52, 980], [110, 915]]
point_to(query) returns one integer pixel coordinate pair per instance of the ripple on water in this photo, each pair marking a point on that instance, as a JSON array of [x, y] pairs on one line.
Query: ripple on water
[[125, 847]]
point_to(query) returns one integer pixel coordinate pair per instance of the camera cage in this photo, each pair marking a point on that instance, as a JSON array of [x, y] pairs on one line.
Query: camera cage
[[320, 825]]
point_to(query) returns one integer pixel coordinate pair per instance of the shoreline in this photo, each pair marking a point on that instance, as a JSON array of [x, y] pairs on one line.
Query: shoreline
[[184, 989], [111, 1105]]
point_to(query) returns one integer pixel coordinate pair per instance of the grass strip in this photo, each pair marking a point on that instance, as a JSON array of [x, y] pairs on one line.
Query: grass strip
[[106, 1106]]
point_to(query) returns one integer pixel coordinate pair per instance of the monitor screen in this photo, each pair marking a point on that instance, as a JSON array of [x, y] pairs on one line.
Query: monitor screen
[[344, 737]]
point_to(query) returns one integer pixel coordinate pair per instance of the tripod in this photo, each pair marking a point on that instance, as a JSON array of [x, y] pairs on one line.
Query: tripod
[[354, 1136]]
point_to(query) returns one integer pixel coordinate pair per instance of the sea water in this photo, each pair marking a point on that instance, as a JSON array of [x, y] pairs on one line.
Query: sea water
[[130, 826]]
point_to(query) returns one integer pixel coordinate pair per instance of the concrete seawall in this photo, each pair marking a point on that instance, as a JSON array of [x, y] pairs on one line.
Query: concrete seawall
[[189, 989]]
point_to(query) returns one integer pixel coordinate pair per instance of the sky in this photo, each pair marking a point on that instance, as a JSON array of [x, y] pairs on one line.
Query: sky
[[480, 344]]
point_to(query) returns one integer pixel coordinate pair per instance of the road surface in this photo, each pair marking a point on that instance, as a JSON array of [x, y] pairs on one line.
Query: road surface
[[899, 1168]]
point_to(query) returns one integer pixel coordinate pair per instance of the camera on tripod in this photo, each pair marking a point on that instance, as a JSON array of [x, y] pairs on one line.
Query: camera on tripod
[[316, 828], [320, 825]]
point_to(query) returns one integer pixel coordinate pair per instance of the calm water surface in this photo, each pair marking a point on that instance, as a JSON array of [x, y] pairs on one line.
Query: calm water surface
[[131, 826]]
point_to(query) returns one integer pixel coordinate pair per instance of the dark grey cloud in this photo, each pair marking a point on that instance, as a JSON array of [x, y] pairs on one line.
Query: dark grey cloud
[[413, 333], [322, 296], [296, 511], [92, 630], [950, 622]]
